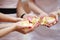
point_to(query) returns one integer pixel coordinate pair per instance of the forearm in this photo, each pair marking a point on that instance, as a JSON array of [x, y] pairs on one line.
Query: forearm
[[35, 8], [20, 9], [7, 30], [7, 18]]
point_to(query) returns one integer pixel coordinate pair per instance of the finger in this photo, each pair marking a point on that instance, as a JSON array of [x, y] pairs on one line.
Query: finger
[[51, 24], [48, 25], [19, 19], [55, 16]]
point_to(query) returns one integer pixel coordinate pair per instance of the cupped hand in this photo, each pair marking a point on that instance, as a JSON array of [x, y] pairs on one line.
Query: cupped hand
[[49, 20], [54, 15], [24, 26]]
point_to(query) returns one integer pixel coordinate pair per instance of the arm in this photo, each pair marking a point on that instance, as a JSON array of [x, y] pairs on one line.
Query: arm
[[7, 30], [35, 8], [6, 18], [20, 9]]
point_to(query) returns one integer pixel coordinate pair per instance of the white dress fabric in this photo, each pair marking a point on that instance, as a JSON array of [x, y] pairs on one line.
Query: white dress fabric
[[8, 3]]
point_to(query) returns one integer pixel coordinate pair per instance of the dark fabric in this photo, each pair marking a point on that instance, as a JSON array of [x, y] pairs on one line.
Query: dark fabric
[[8, 10]]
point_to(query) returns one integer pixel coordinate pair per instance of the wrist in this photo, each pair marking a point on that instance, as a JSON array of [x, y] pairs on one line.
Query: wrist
[[14, 26]]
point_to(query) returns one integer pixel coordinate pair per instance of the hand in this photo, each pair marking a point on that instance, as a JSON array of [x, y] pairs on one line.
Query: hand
[[54, 15], [19, 19], [52, 19], [49, 20], [33, 19], [24, 27]]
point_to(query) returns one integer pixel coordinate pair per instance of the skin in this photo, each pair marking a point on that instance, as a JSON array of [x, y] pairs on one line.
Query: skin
[[6, 30], [7, 18], [20, 10], [33, 7], [13, 27], [26, 9]]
